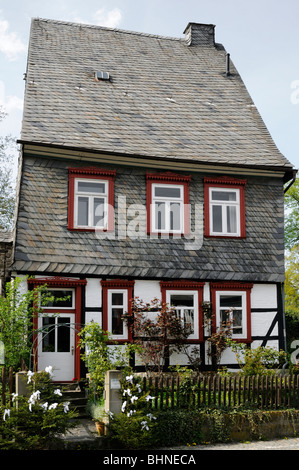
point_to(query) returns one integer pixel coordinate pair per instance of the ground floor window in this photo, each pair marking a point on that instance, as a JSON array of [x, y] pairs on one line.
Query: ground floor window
[[186, 298], [117, 297], [231, 305]]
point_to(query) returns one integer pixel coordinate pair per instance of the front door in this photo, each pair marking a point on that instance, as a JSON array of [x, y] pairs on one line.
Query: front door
[[57, 344]]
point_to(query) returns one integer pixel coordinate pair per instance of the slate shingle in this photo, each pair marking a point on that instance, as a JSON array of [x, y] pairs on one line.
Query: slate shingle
[[166, 99]]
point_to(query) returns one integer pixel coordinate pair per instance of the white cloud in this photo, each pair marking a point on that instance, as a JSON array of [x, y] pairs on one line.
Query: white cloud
[[10, 44], [103, 17], [9, 103]]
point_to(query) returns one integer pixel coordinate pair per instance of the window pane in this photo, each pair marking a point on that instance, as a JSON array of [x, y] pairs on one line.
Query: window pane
[[90, 187], [83, 211], [167, 191], [224, 196], [160, 216], [237, 322], [60, 298], [217, 218], [99, 212], [189, 319], [175, 216], [63, 334], [181, 300], [231, 301], [231, 213], [117, 323], [48, 341], [117, 299]]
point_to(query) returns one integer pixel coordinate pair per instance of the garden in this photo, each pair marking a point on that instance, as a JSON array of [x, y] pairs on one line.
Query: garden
[[161, 406]]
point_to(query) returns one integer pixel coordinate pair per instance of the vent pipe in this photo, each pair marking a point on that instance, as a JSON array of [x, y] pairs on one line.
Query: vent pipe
[[227, 65]]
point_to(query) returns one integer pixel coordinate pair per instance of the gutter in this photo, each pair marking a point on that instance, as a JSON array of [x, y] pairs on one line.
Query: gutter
[[292, 182]]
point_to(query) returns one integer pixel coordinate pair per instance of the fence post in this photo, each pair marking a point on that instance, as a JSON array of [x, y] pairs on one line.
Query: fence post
[[113, 401], [3, 385]]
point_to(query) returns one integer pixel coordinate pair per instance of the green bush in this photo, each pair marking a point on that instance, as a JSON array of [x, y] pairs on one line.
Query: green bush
[[36, 421]]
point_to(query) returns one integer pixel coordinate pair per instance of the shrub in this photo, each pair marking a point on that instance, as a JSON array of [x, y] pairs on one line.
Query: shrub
[[37, 421]]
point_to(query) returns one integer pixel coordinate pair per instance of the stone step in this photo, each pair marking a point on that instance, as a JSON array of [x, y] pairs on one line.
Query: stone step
[[77, 397]]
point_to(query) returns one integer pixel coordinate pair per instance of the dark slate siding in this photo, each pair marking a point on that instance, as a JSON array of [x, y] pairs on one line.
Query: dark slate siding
[[44, 244]]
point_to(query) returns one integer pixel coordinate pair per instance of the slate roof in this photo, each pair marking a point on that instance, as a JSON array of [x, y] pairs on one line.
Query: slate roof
[[45, 245], [166, 99]]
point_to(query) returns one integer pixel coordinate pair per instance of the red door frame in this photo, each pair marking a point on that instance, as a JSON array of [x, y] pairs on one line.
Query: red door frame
[[61, 282]]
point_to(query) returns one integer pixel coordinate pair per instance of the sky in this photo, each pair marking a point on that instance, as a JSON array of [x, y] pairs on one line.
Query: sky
[[261, 36]]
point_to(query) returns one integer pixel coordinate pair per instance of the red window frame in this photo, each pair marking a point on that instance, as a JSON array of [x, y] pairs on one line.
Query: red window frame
[[117, 284], [91, 173], [186, 286], [224, 182], [60, 282], [167, 178], [233, 286]]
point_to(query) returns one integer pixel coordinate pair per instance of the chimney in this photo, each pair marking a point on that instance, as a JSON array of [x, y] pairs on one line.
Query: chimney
[[198, 34]]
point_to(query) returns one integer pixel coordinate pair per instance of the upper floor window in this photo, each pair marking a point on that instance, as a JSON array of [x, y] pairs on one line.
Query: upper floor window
[[168, 203], [91, 197], [224, 207]]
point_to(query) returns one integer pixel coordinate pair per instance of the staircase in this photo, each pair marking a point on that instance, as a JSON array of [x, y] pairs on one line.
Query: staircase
[[77, 397]]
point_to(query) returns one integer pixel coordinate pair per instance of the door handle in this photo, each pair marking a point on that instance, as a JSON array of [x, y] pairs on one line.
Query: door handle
[[72, 350]]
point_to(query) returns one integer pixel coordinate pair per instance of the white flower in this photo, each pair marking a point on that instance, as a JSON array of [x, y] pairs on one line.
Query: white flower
[[44, 406], [33, 399], [129, 378], [148, 397], [134, 398], [29, 375], [131, 412], [14, 396], [66, 406], [139, 388], [144, 425], [53, 406], [123, 406], [150, 416], [49, 370], [6, 413], [110, 414], [128, 392], [58, 392]]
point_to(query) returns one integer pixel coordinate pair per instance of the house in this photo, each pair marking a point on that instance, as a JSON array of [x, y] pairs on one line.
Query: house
[[146, 171]]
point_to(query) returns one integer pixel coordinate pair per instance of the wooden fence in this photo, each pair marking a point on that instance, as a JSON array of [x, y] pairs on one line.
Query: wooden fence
[[7, 385], [262, 392]]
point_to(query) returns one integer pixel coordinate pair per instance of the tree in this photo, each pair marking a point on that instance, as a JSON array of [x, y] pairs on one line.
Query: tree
[[158, 332], [292, 216], [7, 184]]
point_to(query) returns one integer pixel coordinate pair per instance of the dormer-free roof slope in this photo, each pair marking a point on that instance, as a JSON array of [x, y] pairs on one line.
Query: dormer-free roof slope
[[167, 98]]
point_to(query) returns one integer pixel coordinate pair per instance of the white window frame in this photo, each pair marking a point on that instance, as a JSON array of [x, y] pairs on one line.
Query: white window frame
[[167, 201], [224, 205], [124, 306], [243, 295], [91, 196], [60, 289], [169, 293]]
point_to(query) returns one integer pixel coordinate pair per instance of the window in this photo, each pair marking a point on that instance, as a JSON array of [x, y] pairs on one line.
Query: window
[[186, 298], [117, 296], [224, 207], [231, 302], [91, 198], [167, 203], [60, 298], [186, 307]]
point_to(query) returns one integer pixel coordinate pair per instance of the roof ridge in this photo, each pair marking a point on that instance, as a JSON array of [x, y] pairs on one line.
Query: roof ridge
[[106, 28]]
